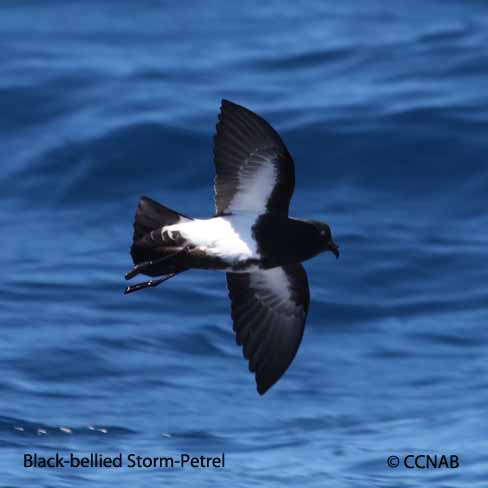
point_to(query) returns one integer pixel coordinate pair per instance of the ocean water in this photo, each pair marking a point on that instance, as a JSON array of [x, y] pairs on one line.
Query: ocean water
[[384, 108]]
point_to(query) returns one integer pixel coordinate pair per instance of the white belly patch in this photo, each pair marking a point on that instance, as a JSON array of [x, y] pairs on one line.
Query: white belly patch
[[229, 238]]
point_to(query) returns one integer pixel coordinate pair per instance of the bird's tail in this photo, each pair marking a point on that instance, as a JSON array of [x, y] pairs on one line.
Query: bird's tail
[[148, 244]]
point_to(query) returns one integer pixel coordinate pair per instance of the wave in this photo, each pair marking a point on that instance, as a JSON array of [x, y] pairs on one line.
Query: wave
[[426, 150]]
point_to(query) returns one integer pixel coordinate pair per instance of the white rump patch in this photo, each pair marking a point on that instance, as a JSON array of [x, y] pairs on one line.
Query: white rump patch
[[254, 189], [229, 238]]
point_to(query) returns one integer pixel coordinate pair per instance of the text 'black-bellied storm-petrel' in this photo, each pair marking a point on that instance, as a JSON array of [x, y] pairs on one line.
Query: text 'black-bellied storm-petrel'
[[251, 238]]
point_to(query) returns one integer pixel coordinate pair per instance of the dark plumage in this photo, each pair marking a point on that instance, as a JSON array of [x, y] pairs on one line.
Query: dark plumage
[[251, 238]]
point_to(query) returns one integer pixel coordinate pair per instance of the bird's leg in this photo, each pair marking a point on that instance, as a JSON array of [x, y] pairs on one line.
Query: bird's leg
[[139, 268], [147, 284]]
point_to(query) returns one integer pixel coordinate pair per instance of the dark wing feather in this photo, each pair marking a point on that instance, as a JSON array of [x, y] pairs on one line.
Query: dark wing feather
[[269, 309], [254, 170]]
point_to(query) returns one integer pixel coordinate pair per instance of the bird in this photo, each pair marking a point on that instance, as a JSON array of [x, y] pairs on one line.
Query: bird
[[251, 238]]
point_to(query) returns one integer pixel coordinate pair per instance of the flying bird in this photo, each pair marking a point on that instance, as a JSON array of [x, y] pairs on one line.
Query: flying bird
[[251, 238]]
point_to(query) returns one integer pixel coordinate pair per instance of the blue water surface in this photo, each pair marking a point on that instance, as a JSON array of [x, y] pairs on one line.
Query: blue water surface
[[384, 108]]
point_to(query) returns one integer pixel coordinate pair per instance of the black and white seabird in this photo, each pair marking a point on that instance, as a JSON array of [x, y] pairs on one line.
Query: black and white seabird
[[251, 238]]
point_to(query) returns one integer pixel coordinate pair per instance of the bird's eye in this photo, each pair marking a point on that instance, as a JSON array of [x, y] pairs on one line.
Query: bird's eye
[[322, 232]]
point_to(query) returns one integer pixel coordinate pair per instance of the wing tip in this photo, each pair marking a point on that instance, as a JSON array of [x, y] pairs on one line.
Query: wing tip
[[225, 102], [261, 388], [229, 106], [225, 105]]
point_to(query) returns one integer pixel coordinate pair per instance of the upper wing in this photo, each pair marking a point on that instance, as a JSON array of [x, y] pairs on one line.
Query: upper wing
[[254, 170], [269, 309]]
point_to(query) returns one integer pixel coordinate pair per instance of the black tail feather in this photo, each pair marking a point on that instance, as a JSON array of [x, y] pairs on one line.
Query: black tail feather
[[151, 215], [148, 248]]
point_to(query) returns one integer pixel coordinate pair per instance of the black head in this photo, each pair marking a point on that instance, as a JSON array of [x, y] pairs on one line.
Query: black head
[[325, 236]]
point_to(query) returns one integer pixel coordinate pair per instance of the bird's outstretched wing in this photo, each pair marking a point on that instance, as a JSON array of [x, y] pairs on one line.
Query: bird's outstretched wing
[[269, 309], [254, 170]]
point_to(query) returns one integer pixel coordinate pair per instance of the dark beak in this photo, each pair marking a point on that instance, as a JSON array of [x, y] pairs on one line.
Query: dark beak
[[334, 249]]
